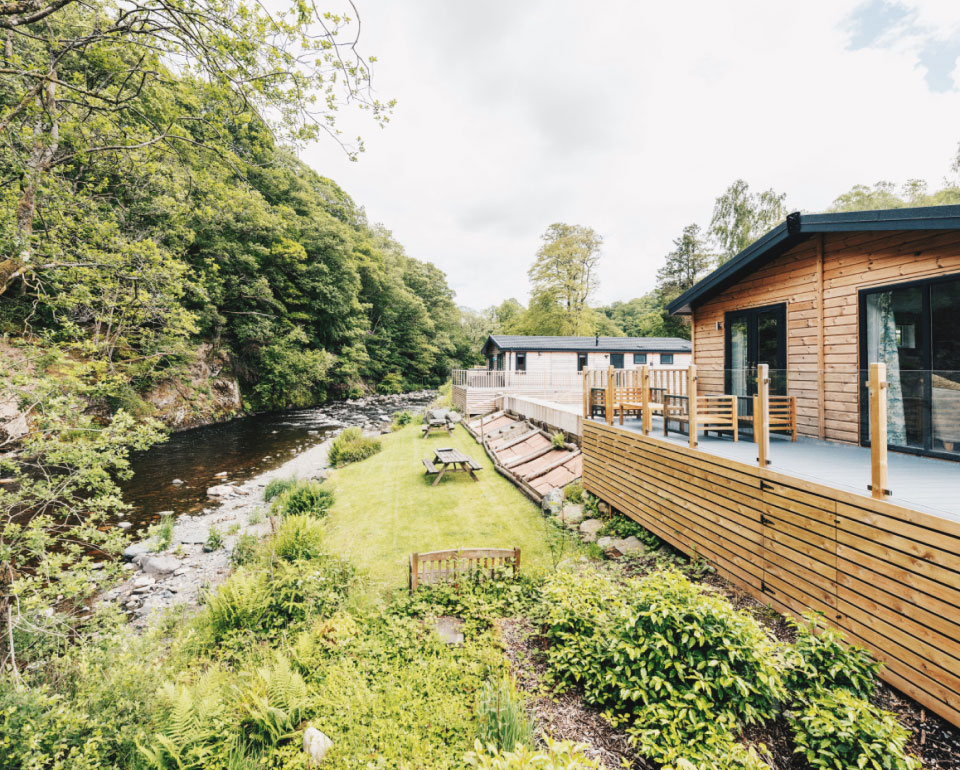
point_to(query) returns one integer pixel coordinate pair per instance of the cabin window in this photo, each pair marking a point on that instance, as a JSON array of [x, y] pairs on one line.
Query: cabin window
[[581, 361], [639, 358], [521, 362], [666, 358], [755, 336], [616, 360], [915, 330]]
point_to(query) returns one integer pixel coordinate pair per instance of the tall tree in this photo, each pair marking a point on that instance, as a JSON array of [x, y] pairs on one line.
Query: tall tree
[[740, 217], [688, 261], [79, 82], [564, 275], [884, 195]]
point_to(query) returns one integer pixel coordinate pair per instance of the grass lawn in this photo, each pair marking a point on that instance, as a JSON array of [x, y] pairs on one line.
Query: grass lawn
[[386, 509]]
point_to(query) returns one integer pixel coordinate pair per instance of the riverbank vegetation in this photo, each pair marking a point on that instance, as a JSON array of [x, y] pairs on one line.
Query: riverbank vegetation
[[311, 631]]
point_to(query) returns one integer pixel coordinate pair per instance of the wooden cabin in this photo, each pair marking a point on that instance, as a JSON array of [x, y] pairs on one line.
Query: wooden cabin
[[521, 353], [822, 296], [819, 299]]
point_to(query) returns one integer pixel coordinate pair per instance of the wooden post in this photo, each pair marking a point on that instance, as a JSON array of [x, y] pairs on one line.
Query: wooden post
[[611, 392], [692, 403], [761, 415], [516, 562], [878, 431], [414, 568], [645, 398]]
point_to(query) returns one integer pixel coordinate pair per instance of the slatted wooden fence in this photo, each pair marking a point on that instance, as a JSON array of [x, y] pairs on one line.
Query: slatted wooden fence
[[889, 577], [438, 566]]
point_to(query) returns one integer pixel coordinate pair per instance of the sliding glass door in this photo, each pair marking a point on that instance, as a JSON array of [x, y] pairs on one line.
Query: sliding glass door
[[915, 330]]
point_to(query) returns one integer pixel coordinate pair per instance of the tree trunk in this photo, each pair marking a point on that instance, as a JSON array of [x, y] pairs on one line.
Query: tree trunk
[[41, 159]]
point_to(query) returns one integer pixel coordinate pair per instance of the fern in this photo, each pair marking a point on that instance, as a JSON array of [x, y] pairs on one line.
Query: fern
[[272, 704]]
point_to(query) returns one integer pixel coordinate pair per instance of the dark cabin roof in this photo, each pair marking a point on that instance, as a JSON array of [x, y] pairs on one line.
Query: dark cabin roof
[[523, 343], [796, 228]]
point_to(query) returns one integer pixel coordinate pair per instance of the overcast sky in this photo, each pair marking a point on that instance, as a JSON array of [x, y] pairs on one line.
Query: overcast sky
[[631, 117]]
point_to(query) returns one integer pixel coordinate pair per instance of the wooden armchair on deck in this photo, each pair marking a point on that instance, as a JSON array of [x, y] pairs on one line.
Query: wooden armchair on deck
[[714, 413], [782, 415]]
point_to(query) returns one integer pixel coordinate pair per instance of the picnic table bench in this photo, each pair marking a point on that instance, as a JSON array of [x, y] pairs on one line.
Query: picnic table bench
[[431, 425], [453, 460]]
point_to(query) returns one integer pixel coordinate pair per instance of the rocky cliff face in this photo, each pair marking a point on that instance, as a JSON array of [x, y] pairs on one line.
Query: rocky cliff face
[[208, 393]]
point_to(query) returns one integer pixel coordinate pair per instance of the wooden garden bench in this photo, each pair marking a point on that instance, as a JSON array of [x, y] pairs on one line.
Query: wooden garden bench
[[437, 566], [428, 464], [714, 413]]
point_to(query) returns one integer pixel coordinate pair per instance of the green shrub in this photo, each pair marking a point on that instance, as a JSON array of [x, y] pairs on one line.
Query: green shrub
[[241, 602], [819, 660], [392, 383], [244, 550], [837, 729], [191, 723], [401, 420], [574, 493], [305, 498], [271, 704], [214, 540], [277, 487], [618, 525], [352, 446], [558, 440], [444, 399], [161, 533], [299, 537], [558, 755], [674, 661], [503, 721]]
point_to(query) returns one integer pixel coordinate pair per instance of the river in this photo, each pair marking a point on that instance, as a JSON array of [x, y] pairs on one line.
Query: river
[[241, 448]]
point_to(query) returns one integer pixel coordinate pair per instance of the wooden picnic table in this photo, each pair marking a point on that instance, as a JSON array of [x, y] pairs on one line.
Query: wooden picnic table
[[432, 425], [453, 460]]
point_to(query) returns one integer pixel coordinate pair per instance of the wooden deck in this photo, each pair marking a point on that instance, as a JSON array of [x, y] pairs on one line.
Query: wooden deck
[[797, 537], [922, 483]]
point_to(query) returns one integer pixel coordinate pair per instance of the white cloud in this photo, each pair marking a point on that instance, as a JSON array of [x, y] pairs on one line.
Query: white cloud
[[624, 116]]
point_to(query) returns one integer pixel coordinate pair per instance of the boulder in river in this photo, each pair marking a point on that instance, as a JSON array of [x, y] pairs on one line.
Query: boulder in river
[[221, 490]]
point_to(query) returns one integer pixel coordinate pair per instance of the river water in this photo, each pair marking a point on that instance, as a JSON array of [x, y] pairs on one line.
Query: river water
[[241, 448]]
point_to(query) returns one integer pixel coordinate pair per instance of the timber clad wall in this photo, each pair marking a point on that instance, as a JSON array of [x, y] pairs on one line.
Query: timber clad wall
[[887, 576], [822, 276]]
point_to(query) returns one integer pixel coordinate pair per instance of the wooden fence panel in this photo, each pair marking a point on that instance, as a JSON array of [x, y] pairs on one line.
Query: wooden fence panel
[[887, 576]]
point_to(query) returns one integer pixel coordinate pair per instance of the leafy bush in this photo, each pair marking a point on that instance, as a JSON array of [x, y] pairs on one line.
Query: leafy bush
[[299, 537], [837, 729], [401, 420], [502, 717], [558, 439], [191, 722], [277, 487], [244, 550], [304, 498], [618, 525], [674, 661], [214, 540], [558, 755], [392, 383], [820, 660], [161, 533], [352, 446], [574, 493], [272, 703], [477, 599], [261, 602]]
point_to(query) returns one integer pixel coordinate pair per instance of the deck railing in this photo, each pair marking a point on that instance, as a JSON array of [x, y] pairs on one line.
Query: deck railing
[[501, 379]]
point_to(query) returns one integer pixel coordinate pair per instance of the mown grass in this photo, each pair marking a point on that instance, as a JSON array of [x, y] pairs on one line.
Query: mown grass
[[386, 509]]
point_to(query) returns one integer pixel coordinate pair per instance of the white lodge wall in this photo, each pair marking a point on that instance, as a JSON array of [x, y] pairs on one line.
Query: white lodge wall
[[849, 262]]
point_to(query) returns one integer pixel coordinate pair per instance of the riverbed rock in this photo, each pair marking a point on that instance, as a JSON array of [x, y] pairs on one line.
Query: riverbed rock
[[158, 565], [177, 482], [589, 529], [221, 475], [124, 524], [315, 745], [134, 550], [221, 490]]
